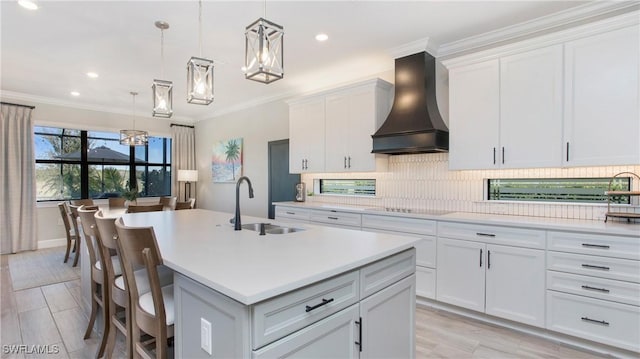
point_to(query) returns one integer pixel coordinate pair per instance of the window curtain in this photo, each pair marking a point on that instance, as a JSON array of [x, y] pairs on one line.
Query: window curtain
[[18, 186], [183, 157]]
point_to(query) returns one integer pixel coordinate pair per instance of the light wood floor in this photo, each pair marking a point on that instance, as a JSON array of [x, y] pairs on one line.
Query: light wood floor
[[52, 314]]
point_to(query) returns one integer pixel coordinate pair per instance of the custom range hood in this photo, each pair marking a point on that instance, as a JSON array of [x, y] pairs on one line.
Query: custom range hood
[[414, 124]]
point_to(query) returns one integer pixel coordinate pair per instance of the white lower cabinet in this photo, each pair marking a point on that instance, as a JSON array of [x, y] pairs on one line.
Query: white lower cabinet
[[503, 281]]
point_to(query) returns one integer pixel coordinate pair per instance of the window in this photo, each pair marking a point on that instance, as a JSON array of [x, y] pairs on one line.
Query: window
[[583, 190], [352, 187], [72, 164]]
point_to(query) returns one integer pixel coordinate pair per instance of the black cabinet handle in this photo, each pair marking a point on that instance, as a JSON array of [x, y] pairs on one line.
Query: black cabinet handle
[[481, 258], [303, 163], [291, 213], [589, 266], [488, 259], [587, 319], [594, 288], [359, 342], [494, 155], [335, 218], [502, 155], [324, 302], [349, 161], [345, 161], [567, 151], [306, 164], [485, 234], [595, 246]]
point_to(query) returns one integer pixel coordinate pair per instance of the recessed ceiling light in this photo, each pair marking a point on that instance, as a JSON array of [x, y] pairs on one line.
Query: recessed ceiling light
[[322, 37], [30, 5], [75, 93], [93, 75]]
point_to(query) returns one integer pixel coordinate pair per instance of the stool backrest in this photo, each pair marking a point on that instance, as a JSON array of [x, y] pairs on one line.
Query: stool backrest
[[64, 213], [145, 208], [116, 202], [86, 215], [169, 202]]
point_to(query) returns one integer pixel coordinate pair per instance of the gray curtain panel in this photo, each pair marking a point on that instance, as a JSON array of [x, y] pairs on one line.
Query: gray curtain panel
[[183, 157], [18, 184]]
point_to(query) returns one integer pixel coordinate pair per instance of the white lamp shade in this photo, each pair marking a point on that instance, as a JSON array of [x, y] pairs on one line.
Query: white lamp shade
[[188, 175]]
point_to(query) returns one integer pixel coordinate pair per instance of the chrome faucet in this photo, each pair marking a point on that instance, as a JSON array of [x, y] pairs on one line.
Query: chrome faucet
[[236, 221]]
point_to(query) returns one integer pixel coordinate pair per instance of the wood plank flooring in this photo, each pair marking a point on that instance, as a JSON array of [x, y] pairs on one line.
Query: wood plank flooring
[[53, 314]]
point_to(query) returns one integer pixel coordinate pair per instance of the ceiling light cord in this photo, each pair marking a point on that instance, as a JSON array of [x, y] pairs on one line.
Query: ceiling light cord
[[161, 53], [265, 9], [200, 26], [133, 94]]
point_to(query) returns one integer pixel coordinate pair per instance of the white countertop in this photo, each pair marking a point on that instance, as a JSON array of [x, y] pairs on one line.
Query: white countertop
[[249, 268], [561, 224]]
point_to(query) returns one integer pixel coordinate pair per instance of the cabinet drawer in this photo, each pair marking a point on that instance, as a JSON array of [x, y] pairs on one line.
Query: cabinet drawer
[[426, 282], [399, 224], [280, 316], [607, 289], [298, 214], [517, 237], [598, 320], [387, 271], [596, 244], [334, 217], [602, 267]]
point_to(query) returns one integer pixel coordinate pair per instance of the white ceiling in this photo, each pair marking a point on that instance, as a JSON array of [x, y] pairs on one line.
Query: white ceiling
[[46, 53]]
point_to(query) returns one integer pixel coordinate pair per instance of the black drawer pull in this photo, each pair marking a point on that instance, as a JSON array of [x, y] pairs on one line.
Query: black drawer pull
[[291, 213], [589, 266], [595, 246], [359, 342], [480, 257], [586, 319], [485, 234], [336, 218], [324, 302], [594, 288]]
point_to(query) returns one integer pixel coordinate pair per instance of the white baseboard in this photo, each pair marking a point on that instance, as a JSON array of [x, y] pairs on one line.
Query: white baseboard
[[597, 348], [50, 243]]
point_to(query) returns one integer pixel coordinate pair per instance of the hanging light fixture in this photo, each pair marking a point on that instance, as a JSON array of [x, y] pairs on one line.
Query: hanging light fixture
[[162, 89], [200, 73], [263, 61], [133, 137]]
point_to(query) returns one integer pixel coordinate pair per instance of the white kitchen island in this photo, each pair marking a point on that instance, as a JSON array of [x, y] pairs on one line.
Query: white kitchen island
[[321, 292]]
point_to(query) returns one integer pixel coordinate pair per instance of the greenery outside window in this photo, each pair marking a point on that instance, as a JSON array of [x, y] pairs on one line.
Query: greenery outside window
[[73, 164], [349, 187], [580, 190]]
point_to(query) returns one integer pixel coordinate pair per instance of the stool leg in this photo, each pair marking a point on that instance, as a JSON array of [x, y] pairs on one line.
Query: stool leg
[[66, 255], [106, 321], [77, 247], [94, 311]]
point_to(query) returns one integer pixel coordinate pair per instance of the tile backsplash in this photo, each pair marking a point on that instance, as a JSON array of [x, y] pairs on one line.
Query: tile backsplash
[[424, 182]]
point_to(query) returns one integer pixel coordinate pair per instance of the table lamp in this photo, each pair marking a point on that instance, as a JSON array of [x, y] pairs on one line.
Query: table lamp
[[187, 176]]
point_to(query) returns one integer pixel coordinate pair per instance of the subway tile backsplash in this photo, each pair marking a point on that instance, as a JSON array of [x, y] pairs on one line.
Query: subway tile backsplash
[[424, 182]]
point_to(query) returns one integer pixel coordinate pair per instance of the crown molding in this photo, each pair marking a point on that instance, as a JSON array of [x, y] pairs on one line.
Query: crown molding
[[553, 22], [35, 100], [425, 44], [596, 27]]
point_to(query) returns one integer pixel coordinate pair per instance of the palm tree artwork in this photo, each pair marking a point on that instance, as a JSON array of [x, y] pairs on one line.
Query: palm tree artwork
[[226, 161]]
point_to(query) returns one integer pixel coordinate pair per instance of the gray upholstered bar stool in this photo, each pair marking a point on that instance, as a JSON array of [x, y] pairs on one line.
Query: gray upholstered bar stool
[[99, 287], [72, 235], [152, 313]]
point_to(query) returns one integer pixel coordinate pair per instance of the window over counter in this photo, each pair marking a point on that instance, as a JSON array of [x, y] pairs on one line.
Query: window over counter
[[346, 187], [577, 190], [72, 164]]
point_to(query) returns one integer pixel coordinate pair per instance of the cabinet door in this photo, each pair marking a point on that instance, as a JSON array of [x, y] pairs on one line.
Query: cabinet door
[[474, 115], [460, 274], [360, 126], [306, 136], [602, 119], [515, 284], [332, 337], [388, 323], [336, 132], [531, 108]]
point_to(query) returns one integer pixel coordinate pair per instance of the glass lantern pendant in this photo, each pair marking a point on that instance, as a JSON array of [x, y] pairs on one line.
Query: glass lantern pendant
[[162, 98], [264, 51], [200, 81], [134, 137]]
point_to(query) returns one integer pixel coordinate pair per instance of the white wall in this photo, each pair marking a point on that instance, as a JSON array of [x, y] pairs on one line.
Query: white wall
[[257, 126]]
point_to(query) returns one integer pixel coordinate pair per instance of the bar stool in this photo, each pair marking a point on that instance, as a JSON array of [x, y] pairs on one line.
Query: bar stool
[[73, 213], [99, 287], [82, 202], [183, 205], [118, 302], [152, 313], [116, 202], [72, 236], [169, 202], [145, 208]]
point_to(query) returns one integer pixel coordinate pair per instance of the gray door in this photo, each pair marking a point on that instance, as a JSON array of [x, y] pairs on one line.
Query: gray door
[[282, 184]]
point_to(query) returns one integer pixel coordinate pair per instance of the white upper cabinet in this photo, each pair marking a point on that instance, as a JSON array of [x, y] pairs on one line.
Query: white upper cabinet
[[336, 127], [531, 108], [474, 115], [562, 99], [602, 122], [306, 136]]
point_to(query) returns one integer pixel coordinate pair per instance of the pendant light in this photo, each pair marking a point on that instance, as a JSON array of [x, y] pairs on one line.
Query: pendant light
[[263, 60], [133, 137], [162, 89], [199, 73]]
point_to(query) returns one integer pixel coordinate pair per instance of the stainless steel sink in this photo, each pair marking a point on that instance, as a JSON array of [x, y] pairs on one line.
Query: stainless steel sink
[[283, 230], [256, 226]]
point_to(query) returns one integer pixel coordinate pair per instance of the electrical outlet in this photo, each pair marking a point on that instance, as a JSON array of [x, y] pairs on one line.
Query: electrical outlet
[[205, 336]]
